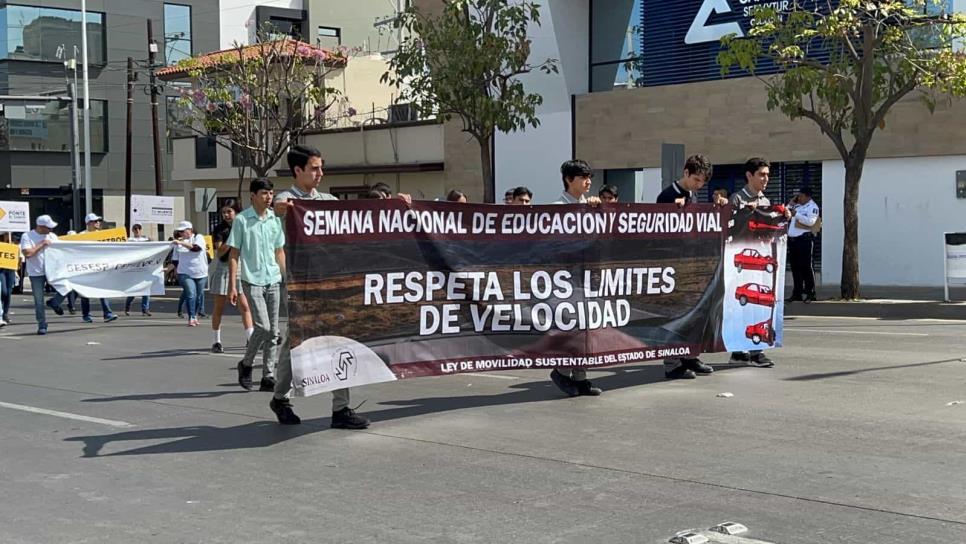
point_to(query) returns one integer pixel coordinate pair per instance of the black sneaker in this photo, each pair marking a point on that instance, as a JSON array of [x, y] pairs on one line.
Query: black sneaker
[[698, 366], [216, 348], [283, 411], [267, 384], [586, 389], [675, 369], [739, 357], [564, 383], [244, 376], [761, 360], [809, 299], [57, 309], [346, 418], [793, 299]]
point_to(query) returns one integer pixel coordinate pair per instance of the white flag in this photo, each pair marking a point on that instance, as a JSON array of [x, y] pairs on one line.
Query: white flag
[[106, 269]]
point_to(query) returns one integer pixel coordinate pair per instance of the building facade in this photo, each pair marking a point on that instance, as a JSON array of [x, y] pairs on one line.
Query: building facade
[[636, 75], [35, 157]]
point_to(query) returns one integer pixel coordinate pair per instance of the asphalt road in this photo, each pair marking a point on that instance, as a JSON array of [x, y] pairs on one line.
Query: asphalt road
[[131, 432]]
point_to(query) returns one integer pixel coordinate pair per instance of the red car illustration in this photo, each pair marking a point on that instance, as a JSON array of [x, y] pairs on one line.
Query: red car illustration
[[753, 260], [760, 332], [755, 294], [754, 224]]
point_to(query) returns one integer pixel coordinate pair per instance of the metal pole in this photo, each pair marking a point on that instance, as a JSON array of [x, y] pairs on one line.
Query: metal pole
[[89, 199], [75, 170], [129, 140], [75, 156]]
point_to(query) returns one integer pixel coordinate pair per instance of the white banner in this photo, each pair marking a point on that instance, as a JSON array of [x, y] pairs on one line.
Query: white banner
[[324, 363], [152, 210], [106, 269], [14, 216]]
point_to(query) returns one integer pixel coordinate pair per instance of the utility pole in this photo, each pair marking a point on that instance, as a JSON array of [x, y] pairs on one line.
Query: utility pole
[[89, 199], [152, 63], [129, 136]]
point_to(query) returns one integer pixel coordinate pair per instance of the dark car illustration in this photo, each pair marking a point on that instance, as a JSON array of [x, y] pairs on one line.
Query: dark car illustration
[[755, 294], [752, 259], [760, 332]]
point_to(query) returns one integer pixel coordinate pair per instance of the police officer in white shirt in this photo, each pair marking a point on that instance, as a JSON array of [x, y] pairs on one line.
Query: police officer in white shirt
[[801, 242]]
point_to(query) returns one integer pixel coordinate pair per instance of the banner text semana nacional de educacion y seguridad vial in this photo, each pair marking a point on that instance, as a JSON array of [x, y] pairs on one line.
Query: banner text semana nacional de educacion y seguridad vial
[[380, 291]]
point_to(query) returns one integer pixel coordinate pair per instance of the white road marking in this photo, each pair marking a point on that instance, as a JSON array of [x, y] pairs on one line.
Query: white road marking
[[494, 376], [232, 355], [721, 538], [66, 415], [11, 337], [898, 324], [824, 331]]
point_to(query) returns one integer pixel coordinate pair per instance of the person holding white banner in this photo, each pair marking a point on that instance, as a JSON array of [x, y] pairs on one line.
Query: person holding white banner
[[192, 268], [138, 236], [93, 225], [32, 245]]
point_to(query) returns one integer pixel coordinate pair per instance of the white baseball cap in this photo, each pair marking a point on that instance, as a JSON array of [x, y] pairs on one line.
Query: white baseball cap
[[46, 221], [185, 225], [92, 217]]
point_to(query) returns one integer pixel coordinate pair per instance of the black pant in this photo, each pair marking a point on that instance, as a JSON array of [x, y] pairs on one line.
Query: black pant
[[800, 257]]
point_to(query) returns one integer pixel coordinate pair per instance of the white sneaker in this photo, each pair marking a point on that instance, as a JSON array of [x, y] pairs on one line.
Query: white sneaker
[[2, 323]]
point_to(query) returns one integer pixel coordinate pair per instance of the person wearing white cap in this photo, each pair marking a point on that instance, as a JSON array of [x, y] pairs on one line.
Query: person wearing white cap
[[192, 268], [94, 224], [32, 245]]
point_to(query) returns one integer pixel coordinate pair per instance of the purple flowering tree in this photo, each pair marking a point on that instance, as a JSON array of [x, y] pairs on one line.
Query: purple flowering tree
[[259, 99]]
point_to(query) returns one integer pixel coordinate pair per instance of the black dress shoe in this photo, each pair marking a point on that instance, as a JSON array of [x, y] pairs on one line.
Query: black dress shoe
[[587, 389], [267, 384], [761, 360], [698, 366], [347, 418], [283, 411], [564, 383], [739, 357], [675, 369], [244, 376]]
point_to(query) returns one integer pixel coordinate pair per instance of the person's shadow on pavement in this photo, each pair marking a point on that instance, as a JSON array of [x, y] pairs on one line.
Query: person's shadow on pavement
[[264, 433]]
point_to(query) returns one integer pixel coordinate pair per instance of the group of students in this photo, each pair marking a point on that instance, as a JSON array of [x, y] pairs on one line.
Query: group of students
[[249, 266]]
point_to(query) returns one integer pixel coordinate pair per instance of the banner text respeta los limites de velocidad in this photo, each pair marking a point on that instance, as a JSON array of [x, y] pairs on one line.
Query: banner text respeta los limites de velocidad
[[435, 288]]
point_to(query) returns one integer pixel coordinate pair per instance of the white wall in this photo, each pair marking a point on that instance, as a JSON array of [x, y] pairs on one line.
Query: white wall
[[651, 184], [238, 18], [904, 207], [533, 157]]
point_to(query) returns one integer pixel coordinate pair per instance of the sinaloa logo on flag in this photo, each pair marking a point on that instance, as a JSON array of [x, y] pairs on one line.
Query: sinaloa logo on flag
[[701, 31]]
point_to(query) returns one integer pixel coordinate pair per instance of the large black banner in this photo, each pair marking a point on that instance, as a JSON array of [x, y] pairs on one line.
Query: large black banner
[[382, 290]]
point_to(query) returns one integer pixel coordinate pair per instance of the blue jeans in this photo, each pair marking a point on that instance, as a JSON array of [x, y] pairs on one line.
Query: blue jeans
[[194, 293], [72, 300], [7, 279], [145, 303], [86, 307], [37, 286]]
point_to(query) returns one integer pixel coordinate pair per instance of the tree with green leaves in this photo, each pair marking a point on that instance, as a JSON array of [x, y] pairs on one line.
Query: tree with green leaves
[[844, 67], [465, 62], [257, 100]]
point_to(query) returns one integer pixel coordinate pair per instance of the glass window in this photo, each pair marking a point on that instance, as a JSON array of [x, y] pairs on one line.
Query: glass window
[[177, 121], [283, 27], [329, 37], [177, 33], [33, 33], [45, 126], [206, 152], [615, 36]]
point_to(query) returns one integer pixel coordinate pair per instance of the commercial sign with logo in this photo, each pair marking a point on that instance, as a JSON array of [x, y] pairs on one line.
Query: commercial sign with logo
[[681, 39], [147, 209], [14, 216]]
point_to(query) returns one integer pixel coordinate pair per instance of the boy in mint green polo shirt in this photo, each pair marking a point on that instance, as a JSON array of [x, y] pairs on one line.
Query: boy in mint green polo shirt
[[257, 243]]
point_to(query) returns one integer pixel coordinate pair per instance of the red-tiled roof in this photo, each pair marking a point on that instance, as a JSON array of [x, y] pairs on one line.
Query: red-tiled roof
[[287, 46]]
